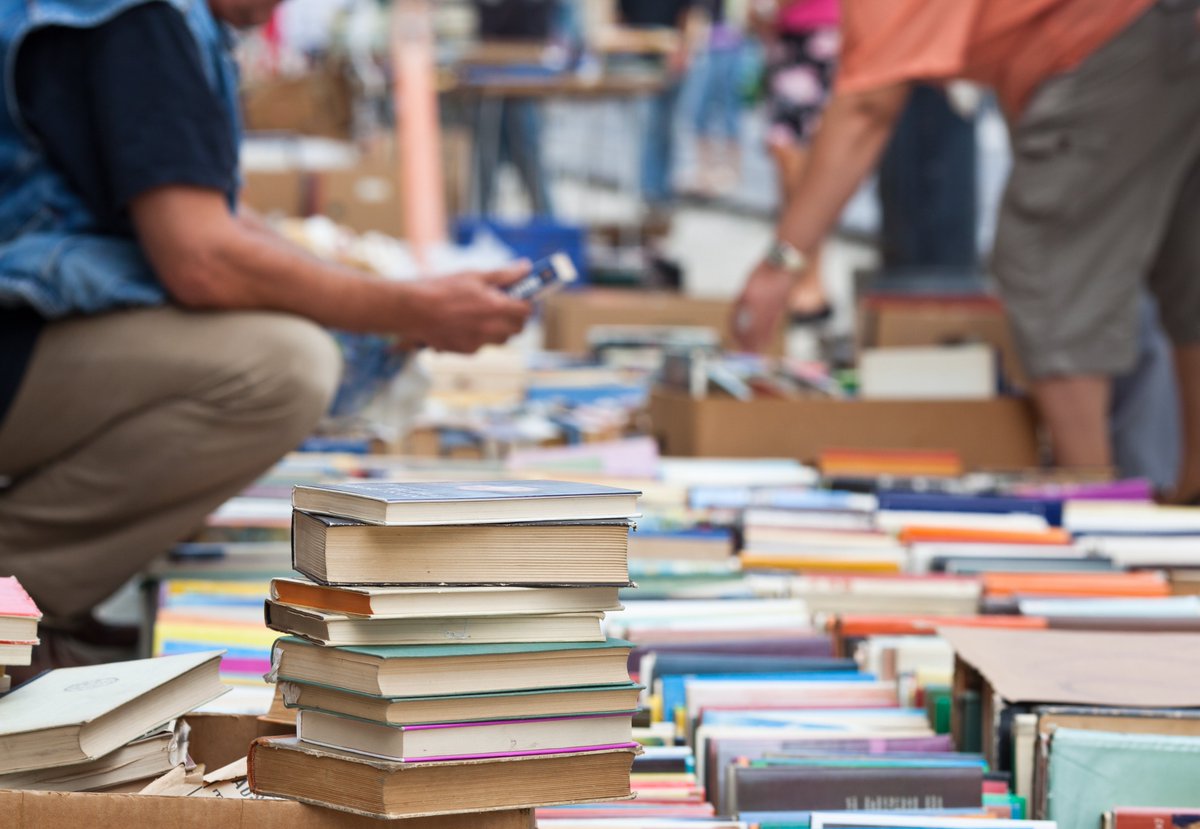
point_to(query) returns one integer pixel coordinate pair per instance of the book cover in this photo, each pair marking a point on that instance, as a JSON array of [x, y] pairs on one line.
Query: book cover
[[15, 602], [480, 502], [1092, 772], [784, 788], [350, 782], [383, 652], [75, 714], [1151, 818]]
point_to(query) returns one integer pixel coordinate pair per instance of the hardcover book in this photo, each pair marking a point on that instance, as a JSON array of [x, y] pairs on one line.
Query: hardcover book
[[286, 767], [424, 670], [76, 714], [479, 502]]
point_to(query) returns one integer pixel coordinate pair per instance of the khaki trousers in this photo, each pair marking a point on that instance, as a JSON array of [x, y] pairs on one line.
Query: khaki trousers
[[130, 427], [1104, 196]]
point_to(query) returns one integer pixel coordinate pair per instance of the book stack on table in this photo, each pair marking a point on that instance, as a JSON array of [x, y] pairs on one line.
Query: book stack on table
[[446, 654]]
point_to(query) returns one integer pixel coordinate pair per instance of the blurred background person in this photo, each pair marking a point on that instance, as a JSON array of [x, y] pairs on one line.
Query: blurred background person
[[718, 101], [802, 41], [1101, 99], [658, 136], [513, 124]]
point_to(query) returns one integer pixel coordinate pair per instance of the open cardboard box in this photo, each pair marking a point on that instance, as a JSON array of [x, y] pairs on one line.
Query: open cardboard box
[[998, 434], [568, 317], [216, 740]]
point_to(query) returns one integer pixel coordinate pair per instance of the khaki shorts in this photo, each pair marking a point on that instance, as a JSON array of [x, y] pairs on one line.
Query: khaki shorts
[[1105, 194]]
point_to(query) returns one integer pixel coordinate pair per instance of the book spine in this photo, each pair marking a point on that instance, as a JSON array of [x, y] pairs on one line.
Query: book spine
[[856, 789]]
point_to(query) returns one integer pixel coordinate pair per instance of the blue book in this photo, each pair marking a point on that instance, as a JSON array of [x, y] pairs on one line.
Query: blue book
[[783, 718], [478, 502], [674, 688], [1049, 508], [692, 664]]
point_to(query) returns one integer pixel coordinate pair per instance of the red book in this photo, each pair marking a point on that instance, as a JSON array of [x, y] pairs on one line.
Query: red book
[[1128, 818], [19, 616]]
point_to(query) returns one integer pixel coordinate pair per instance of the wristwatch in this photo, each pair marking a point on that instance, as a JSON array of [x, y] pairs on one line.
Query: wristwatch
[[786, 256]]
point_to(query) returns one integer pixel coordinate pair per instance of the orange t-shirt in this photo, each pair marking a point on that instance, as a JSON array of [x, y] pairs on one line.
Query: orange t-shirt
[[1009, 45]]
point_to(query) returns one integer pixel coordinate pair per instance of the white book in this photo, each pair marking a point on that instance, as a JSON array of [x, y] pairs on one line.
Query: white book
[[854, 820], [77, 714], [463, 740], [1144, 550], [961, 372], [893, 521], [465, 503]]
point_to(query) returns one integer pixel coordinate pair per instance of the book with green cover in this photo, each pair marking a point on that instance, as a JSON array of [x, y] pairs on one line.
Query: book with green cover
[[423, 670], [1091, 772]]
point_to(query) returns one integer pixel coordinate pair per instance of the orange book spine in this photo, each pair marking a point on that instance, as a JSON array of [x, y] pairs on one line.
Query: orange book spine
[[864, 625], [916, 534], [1148, 585]]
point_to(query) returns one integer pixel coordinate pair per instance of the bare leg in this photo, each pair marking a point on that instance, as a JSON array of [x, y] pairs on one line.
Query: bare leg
[[1075, 411]]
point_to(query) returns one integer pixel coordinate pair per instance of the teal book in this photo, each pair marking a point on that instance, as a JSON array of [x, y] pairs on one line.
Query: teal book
[[1092, 772], [508, 705], [438, 670]]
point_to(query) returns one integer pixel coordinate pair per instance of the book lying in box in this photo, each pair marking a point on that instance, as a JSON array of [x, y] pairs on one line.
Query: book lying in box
[[513, 705], [150, 756], [336, 629], [438, 602], [286, 767], [432, 742], [342, 551], [76, 714], [477, 502], [423, 670]]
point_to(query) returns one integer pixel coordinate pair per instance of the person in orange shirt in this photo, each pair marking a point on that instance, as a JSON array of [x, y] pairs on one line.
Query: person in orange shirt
[[1103, 103]]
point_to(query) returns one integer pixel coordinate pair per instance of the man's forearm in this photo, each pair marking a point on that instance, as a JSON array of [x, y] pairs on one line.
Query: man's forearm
[[253, 269], [854, 130]]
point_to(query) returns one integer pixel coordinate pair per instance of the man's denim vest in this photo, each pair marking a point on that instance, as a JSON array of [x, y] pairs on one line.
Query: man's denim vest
[[51, 255]]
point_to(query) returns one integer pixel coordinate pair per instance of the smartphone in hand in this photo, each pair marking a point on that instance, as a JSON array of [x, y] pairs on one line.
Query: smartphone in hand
[[547, 275]]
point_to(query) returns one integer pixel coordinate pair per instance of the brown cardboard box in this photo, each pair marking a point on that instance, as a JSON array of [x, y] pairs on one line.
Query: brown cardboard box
[[995, 434], [567, 317], [282, 192], [315, 103], [364, 197], [901, 321], [216, 740]]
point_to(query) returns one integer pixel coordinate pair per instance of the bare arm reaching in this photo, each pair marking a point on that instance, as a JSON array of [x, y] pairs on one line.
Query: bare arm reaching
[[208, 259]]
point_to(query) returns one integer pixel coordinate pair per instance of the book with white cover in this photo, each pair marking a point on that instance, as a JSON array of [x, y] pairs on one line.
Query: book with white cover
[[335, 629], [148, 756], [464, 740], [961, 372], [458, 503], [75, 714]]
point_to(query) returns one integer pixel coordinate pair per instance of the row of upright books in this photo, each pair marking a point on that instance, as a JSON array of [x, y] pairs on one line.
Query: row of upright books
[[446, 653]]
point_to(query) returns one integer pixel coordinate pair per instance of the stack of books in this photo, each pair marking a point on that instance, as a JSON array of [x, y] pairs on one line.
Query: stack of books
[[19, 618], [446, 652], [111, 727]]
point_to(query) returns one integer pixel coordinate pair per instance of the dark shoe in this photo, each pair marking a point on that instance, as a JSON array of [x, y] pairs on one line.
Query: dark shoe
[[821, 314]]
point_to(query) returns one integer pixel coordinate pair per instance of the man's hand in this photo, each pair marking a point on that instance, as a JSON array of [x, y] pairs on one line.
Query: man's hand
[[467, 311], [761, 306]]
